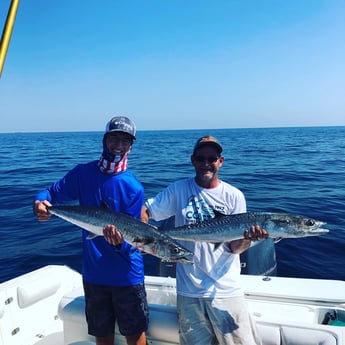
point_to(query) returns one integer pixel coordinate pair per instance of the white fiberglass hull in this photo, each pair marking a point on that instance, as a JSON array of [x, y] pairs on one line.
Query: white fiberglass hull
[[46, 307]]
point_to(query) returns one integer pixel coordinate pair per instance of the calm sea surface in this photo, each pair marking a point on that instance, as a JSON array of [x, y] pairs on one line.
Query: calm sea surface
[[295, 170]]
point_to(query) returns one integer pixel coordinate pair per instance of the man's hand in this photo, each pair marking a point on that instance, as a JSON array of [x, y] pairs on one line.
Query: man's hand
[[255, 233], [40, 209], [112, 235]]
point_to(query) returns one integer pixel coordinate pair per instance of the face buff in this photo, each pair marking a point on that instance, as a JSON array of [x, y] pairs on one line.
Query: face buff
[[112, 164]]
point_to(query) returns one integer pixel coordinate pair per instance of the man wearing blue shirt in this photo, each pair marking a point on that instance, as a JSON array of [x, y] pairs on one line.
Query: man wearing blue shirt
[[113, 270]]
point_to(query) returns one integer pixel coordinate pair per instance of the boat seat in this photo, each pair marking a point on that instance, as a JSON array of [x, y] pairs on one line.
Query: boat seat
[[163, 326], [37, 290], [306, 336], [272, 334]]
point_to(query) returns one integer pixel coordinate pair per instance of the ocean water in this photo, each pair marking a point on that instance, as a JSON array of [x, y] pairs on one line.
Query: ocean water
[[295, 170]]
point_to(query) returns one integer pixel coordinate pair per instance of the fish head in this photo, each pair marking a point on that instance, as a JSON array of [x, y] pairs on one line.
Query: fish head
[[179, 254], [171, 251], [287, 225]]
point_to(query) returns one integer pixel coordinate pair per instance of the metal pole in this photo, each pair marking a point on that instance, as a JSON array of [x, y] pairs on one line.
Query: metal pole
[[7, 32]]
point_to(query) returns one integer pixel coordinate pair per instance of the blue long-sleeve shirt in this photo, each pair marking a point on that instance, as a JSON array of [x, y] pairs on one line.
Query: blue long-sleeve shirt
[[103, 263]]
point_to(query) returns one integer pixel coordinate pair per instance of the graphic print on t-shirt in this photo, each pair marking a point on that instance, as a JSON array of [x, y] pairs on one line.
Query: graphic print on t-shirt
[[197, 210]]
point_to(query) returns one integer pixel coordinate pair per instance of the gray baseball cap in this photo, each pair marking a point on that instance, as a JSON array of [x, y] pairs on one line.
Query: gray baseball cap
[[121, 124]]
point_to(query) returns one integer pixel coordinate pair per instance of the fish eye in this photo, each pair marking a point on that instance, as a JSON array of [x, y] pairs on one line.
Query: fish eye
[[310, 222], [174, 250]]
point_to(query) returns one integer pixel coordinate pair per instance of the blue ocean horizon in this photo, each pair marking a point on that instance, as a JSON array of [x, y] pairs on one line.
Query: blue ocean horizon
[[298, 170]]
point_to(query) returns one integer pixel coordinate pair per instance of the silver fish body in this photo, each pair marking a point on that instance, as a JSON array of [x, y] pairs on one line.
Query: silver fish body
[[227, 228], [141, 235]]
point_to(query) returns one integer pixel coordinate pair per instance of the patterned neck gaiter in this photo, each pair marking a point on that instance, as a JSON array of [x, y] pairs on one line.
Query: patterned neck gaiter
[[112, 164]]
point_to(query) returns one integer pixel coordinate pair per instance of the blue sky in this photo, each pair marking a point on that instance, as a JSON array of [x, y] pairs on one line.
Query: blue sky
[[174, 64]]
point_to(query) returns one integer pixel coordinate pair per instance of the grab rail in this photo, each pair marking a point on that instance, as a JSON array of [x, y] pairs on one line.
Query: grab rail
[[7, 32]]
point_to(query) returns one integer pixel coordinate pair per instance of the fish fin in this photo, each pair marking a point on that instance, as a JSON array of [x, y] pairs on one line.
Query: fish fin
[[91, 236], [218, 214], [277, 239]]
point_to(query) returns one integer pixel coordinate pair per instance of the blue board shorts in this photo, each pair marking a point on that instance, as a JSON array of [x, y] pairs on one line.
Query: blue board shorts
[[106, 305]]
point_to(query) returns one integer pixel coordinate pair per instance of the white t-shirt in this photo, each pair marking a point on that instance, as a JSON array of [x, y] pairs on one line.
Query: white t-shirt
[[215, 271]]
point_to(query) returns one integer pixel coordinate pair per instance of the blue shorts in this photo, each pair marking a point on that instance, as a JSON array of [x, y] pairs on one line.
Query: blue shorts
[[105, 305]]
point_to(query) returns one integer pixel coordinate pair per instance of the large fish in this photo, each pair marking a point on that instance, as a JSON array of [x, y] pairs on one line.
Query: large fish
[[141, 235], [226, 228]]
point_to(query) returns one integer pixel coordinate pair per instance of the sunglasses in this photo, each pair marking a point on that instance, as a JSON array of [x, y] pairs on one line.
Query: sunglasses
[[203, 159]]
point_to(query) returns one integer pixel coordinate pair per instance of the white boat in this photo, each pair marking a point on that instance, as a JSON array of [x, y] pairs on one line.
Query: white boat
[[46, 307]]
